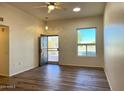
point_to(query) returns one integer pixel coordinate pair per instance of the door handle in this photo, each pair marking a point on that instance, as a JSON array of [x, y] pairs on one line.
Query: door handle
[[58, 49]]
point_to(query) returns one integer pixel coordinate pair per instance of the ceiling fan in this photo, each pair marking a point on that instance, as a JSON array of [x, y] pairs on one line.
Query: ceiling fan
[[51, 6]]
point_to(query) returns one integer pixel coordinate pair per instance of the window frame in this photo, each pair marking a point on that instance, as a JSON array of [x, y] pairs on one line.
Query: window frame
[[86, 44]]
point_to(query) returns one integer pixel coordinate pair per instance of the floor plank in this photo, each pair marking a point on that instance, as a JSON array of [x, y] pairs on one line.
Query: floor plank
[[58, 78]]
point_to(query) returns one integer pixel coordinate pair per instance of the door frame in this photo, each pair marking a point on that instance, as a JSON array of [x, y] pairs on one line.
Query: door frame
[[47, 49]]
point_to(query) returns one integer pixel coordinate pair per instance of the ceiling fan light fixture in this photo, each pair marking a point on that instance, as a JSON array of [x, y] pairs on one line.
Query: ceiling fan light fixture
[[76, 9], [51, 7]]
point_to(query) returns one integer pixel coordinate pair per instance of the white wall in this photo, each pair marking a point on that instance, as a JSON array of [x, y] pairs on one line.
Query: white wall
[[114, 44], [66, 29], [23, 38]]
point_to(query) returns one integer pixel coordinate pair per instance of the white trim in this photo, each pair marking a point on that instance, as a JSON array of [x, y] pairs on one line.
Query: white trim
[[22, 71], [81, 65], [108, 80]]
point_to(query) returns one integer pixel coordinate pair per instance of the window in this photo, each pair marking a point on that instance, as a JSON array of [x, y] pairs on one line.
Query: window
[[86, 43]]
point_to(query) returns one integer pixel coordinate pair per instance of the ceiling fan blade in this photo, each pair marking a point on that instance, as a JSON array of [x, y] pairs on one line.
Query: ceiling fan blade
[[40, 6], [60, 7], [57, 3], [43, 6]]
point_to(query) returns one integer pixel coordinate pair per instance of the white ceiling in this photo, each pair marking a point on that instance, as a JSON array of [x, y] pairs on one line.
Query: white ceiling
[[87, 9]]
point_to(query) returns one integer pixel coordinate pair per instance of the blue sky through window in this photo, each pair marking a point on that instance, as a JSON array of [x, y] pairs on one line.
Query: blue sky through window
[[87, 35]]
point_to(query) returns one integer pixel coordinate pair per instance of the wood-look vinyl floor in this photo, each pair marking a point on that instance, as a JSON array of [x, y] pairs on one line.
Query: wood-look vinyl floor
[[58, 78]]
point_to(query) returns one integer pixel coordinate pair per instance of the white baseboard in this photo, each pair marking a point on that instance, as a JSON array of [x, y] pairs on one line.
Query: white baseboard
[[108, 80], [81, 65], [22, 71]]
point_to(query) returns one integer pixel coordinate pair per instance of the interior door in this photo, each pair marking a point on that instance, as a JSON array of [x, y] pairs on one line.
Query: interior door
[[43, 50]]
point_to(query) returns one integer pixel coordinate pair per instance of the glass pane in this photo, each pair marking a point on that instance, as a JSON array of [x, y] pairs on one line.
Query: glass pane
[[82, 50], [53, 42], [87, 35], [53, 56], [53, 49], [91, 50], [44, 42]]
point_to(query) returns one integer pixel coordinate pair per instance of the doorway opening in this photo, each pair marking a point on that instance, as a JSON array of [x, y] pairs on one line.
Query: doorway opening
[[53, 49], [49, 49], [4, 50]]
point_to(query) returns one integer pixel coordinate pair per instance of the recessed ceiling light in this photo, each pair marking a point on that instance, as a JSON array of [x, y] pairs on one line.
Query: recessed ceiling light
[[76, 9]]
